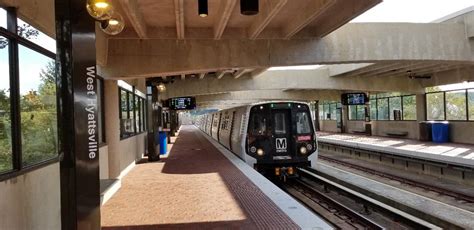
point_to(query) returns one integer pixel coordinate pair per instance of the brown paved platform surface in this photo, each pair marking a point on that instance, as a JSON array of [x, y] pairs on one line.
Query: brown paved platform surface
[[195, 187]]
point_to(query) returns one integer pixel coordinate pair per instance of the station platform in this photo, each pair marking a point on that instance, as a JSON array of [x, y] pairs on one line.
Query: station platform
[[199, 184], [447, 153]]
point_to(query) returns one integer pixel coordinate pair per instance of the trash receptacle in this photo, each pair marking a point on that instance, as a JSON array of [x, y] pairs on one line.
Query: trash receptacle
[[425, 131], [163, 142], [440, 132]]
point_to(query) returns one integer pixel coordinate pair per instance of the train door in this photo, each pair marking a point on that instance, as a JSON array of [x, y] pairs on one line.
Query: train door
[[281, 137]]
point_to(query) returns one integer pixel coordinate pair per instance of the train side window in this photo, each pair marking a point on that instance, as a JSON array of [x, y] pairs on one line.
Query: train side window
[[302, 123], [280, 126]]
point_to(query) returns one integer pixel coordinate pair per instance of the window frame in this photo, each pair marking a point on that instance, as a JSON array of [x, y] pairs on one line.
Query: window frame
[[466, 97], [131, 114], [14, 40], [376, 99]]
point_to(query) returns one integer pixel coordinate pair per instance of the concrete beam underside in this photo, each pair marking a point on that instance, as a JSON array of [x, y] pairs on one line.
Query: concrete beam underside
[[352, 43]]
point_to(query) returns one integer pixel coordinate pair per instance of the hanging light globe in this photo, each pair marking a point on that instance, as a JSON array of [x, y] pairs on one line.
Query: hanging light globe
[[161, 87], [100, 9], [114, 25]]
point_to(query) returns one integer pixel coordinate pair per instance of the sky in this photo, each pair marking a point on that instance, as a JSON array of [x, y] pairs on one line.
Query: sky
[[419, 11]]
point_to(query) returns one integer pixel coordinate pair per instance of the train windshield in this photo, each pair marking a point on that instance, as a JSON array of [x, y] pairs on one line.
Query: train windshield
[[302, 123], [280, 123], [259, 126]]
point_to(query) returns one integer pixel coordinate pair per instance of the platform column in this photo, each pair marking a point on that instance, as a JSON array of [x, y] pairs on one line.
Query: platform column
[[77, 116], [153, 121], [420, 110]]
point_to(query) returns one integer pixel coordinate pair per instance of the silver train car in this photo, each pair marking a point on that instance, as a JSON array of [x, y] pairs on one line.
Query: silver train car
[[272, 137]]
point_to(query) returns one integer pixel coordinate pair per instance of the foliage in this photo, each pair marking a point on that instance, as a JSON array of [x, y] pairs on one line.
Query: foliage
[[38, 122]]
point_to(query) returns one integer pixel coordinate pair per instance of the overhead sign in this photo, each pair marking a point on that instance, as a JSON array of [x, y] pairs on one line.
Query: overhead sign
[[354, 99], [182, 103]]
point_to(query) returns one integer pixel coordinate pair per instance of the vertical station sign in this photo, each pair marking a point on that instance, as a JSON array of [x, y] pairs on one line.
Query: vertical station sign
[[77, 86]]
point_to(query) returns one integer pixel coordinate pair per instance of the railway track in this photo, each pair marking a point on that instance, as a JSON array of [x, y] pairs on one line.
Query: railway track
[[419, 184], [345, 208]]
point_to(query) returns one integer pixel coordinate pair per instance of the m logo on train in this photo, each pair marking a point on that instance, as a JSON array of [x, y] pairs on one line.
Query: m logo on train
[[281, 145]]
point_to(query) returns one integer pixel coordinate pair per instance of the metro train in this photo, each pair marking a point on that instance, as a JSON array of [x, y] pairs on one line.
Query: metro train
[[272, 137]]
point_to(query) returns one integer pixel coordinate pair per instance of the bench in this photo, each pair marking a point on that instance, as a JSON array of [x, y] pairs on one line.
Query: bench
[[397, 133]]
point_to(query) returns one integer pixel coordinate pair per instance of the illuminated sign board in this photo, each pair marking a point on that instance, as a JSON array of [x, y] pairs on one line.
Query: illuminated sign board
[[354, 99], [182, 103]]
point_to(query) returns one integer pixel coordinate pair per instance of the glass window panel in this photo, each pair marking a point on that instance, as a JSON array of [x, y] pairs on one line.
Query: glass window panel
[[352, 112], [126, 124], [137, 114], [5, 119], [3, 19], [373, 109], [470, 97], [435, 106], [280, 123], [302, 123], [32, 34], [360, 112], [409, 107], [259, 124], [38, 106], [326, 112], [143, 115], [395, 104], [333, 108], [321, 112], [382, 109], [456, 105]]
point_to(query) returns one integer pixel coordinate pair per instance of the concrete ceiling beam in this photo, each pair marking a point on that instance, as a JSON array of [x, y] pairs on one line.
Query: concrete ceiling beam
[[353, 43], [317, 79], [225, 11], [131, 10], [179, 15], [220, 74], [265, 17], [241, 72], [309, 13]]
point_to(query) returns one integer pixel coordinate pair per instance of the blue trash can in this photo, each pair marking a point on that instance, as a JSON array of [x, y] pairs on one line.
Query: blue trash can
[[440, 132], [163, 141]]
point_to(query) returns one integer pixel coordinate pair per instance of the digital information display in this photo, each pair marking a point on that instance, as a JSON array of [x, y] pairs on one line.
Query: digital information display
[[354, 99], [182, 103]]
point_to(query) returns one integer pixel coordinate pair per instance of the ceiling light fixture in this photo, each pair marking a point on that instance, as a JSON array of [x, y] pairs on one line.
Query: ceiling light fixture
[[100, 9], [249, 7], [161, 87], [114, 25], [203, 8]]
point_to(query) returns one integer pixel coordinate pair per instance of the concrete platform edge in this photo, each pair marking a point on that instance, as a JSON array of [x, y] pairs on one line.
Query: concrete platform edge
[[303, 217]]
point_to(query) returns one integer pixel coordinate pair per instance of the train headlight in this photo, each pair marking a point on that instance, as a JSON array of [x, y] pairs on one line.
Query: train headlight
[[260, 152], [303, 150], [309, 147]]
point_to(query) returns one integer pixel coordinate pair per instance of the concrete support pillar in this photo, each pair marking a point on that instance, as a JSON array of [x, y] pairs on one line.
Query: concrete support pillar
[[420, 110], [420, 107], [112, 125]]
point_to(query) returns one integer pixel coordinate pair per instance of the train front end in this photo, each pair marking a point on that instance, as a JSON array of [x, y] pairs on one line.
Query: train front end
[[281, 137]]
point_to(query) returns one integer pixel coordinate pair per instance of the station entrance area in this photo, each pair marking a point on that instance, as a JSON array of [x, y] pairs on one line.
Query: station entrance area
[[245, 114]]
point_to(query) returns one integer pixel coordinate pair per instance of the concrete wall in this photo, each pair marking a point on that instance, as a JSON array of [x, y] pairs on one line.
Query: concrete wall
[[104, 162], [32, 200], [130, 150], [380, 128], [462, 132], [120, 153], [328, 126]]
